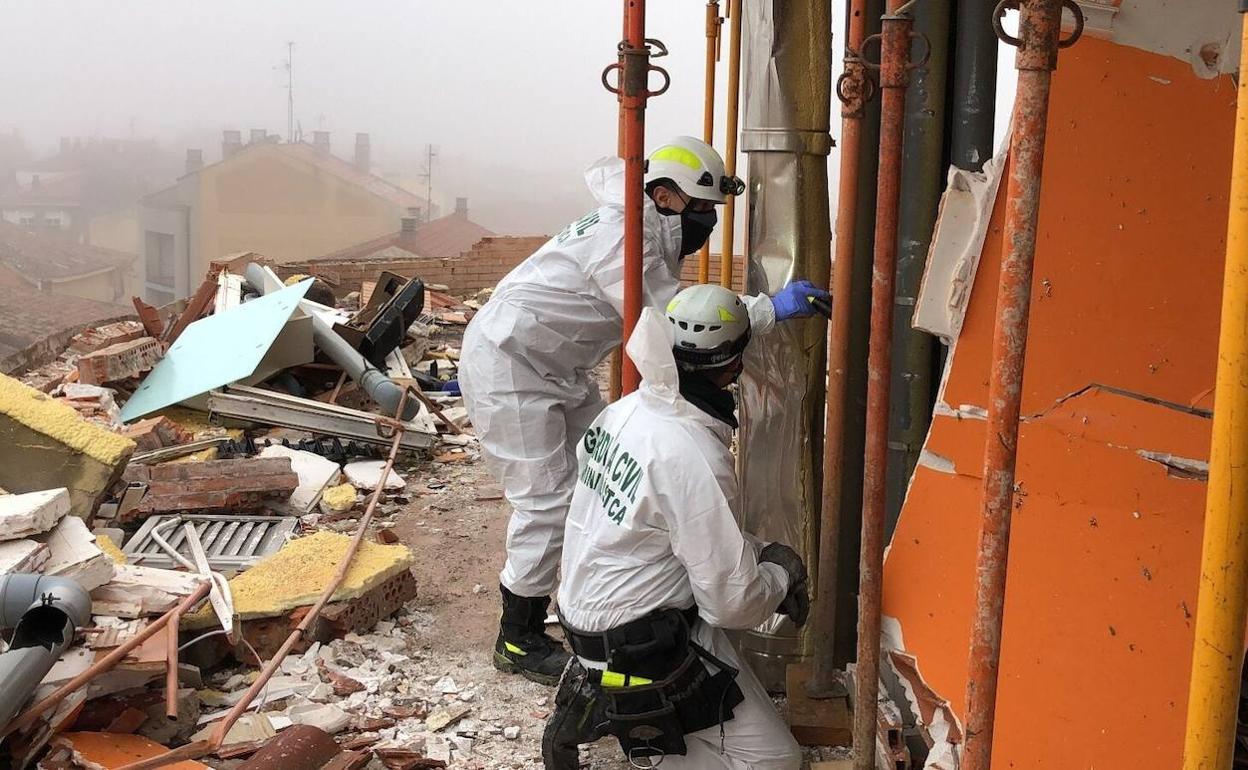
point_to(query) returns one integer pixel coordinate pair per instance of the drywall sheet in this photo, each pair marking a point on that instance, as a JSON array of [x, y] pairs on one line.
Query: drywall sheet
[[1119, 374], [240, 345]]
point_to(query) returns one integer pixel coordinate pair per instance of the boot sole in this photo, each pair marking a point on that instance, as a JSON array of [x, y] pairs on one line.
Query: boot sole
[[508, 666]]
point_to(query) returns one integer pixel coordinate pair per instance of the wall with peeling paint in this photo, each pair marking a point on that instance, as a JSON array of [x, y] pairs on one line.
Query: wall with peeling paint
[[1120, 364]]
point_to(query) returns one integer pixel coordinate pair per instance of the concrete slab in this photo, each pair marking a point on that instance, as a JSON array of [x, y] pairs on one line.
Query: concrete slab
[[32, 512]]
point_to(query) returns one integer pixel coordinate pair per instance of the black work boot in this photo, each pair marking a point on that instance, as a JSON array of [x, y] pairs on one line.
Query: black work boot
[[523, 646]]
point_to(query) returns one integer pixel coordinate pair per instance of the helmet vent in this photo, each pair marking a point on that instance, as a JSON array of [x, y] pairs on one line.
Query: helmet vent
[[698, 327], [713, 328], [683, 325]]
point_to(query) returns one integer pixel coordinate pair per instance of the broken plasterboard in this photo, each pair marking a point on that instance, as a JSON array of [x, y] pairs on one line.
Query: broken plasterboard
[[136, 591], [961, 228], [22, 556], [247, 344], [72, 553], [315, 474], [31, 513]]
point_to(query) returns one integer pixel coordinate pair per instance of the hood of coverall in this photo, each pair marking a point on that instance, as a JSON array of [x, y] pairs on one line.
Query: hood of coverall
[[605, 180], [650, 348]]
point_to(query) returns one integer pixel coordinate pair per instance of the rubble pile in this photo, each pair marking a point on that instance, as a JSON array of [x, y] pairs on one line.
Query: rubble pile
[[204, 479]]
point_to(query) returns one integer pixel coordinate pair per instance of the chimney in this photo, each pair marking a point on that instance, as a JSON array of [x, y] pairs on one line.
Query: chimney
[[231, 143], [409, 223], [461, 207], [194, 160], [363, 154], [258, 136], [65, 145], [320, 140]]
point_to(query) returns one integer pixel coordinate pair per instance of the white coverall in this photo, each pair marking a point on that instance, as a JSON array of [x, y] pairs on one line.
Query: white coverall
[[652, 525], [526, 361]]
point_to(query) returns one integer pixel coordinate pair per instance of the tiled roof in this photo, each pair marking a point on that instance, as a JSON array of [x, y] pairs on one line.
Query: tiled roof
[[27, 316], [447, 236], [62, 189], [40, 257]]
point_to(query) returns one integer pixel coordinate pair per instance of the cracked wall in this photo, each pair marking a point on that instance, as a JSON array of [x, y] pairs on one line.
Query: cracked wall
[[1117, 388]]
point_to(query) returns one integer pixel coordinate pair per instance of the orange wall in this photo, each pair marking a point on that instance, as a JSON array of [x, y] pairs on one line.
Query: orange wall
[[1103, 572]]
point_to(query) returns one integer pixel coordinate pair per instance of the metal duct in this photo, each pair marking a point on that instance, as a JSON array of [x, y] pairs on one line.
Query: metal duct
[[381, 389], [787, 83], [45, 611]]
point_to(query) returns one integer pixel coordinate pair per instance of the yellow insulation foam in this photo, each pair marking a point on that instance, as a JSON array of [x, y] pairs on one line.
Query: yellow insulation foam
[[110, 549], [45, 415], [340, 498], [299, 572]]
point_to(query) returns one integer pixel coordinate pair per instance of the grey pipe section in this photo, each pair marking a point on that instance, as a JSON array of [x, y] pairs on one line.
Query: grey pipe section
[[380, 388], [44, 612], [786, 102]]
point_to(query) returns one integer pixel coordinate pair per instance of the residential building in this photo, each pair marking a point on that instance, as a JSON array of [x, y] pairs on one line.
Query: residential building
[[36, 261], [61, 193], [282, 200]]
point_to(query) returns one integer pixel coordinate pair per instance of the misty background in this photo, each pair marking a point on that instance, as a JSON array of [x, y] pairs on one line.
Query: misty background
[[509, 94]]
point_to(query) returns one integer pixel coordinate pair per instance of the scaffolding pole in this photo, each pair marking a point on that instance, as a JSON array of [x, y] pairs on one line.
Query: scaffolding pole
[[1038, 40], [894, 60], [1222, 605]]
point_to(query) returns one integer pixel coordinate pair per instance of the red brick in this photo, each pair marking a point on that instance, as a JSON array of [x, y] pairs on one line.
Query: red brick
[[119, 361]]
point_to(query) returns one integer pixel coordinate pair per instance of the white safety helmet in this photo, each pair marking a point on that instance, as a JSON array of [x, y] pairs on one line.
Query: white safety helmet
[[695, 167], [711, 327]]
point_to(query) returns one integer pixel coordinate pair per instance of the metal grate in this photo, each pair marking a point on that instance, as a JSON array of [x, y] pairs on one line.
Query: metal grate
[[231, 542]]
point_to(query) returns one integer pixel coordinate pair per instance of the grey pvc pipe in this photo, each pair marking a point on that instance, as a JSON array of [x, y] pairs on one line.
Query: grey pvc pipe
[[44, 612], [380, 388]]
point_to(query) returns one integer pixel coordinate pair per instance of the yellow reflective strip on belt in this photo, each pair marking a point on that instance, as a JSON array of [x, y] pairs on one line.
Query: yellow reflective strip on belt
[[614, 679]]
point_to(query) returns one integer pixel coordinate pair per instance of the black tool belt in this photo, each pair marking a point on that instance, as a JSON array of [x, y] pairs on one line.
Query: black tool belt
[[657, 683]]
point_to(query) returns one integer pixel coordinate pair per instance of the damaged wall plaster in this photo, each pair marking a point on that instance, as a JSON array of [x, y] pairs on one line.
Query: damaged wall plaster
[[961, 228], [1202, 33]]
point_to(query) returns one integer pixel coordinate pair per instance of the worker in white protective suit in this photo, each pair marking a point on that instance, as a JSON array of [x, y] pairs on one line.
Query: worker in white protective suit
[[655, 565], [526, 361]]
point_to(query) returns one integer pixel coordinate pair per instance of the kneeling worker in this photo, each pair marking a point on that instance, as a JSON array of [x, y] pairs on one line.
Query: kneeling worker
[[655, 564]]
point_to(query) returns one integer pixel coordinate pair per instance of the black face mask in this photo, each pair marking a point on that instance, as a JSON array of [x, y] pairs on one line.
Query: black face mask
[[719, 403], [695, 228]]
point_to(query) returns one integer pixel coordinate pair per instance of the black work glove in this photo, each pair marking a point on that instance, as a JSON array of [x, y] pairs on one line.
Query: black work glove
[[796, 602]]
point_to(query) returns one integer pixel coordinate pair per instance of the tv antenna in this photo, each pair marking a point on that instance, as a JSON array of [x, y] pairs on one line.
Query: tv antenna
[[431, 152]]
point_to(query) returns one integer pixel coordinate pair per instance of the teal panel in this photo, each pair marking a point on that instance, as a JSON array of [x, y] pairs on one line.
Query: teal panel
[[216, 351]]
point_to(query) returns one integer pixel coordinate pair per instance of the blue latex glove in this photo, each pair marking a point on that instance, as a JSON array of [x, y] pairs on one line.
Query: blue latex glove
[[451, 386], [793, 301]]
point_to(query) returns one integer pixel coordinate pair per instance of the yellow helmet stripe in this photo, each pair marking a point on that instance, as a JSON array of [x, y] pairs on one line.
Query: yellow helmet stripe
[[724, 315], [678, 155]]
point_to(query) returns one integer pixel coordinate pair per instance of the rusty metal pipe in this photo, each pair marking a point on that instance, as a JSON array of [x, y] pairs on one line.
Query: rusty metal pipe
[[708, 112], [634, 90], [617, 355], [852, 89], [171, 664], [107, 662], [217, 738], [894, 56], [730, 139], [1039, 28]]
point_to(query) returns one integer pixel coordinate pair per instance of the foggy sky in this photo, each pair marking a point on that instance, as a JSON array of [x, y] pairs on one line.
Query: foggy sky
[[508, 92]]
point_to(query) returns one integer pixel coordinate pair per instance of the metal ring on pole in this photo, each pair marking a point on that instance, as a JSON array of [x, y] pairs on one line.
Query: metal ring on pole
[[659, 48], [998, 14], [667, 81], [871, 65], [606, 72], [1077, 33], [927, 50]]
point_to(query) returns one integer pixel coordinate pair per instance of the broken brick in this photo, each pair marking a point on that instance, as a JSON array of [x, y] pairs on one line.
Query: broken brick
[[91, 340], [119, 361], [214, 485], [298, 746], [156, 433]]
